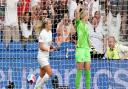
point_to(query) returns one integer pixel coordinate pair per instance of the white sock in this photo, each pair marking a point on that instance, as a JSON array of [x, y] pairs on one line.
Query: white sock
[[38, 79], [38, 84], [41, 81], [45, 78]]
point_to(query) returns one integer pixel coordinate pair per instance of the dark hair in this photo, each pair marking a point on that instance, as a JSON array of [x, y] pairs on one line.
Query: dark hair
[[29, 22], [96, 12]]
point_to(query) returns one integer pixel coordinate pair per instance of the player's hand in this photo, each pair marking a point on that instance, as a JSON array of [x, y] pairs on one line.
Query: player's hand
[[51, 47]]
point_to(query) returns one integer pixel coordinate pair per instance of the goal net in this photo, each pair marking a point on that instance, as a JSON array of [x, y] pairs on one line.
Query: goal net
[[20, 26]]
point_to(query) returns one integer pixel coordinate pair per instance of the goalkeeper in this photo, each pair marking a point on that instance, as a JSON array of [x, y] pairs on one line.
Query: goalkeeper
[[82, 55]]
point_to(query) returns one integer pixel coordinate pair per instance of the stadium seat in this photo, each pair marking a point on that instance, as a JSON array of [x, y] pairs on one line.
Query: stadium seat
[[7, 55], [15, 46], [2, 47], [69, 49], [66, 45], [58, 54], [32, 46]]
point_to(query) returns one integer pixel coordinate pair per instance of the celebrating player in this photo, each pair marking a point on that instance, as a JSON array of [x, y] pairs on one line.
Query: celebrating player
[[82, 55], [45, 47]]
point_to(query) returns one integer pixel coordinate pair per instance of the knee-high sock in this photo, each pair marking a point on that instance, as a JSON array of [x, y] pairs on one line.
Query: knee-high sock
[[88, 79], [78, 78], [45, 78], [40, 80]]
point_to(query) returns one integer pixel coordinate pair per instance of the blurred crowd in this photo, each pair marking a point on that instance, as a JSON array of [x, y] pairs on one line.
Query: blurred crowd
[[21, 20]]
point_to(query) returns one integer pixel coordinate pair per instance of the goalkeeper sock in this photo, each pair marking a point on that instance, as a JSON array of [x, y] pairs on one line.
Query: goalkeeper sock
[[78, 78], [88, 76]]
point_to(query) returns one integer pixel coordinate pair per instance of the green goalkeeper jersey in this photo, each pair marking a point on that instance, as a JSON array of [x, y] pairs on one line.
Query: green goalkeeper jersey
[[83, 43]]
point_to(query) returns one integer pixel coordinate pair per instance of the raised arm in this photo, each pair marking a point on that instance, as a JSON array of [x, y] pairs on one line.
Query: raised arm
[[78, 12]]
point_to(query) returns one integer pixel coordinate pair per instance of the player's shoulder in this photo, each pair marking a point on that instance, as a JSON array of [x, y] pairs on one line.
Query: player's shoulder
[[42, 32]]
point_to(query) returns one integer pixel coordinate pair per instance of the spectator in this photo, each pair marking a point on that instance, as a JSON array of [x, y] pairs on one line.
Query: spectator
[[26, 28], [2, 8], [95, 6], [35, 8], [11, 22], [44, 14], [65, 30], [72, 5], [34, 3], [87, 4], [60, 9], [114, 24], [1, 27], [50, 9], [124, 27], [23, 7], [116, 50], [43, 4], [97, 33]]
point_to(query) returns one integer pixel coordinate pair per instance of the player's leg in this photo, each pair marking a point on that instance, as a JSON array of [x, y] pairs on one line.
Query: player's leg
[[79, 56], [87, 74], [43, 62], [42, 73], [79, 66], [39, 79], [48, 73]]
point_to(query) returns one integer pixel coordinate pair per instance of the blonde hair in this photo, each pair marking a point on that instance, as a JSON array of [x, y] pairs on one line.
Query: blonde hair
[[83, 13], [112, 38], [44, 22]]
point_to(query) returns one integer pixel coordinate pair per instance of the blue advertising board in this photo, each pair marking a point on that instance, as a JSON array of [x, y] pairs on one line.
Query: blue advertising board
[[105, 74]]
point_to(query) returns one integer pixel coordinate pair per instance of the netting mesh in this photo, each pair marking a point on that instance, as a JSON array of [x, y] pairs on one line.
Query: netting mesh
[[20, 26]]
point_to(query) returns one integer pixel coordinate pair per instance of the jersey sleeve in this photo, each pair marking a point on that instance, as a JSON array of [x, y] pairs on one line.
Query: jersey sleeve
[[41, 37]]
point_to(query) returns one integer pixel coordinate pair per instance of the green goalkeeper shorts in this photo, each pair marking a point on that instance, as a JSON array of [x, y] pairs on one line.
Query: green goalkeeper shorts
[[82, 55]]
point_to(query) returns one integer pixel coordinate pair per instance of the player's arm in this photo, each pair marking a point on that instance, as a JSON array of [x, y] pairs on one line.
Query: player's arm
[[124, 49], [77, 13], [43, 47]]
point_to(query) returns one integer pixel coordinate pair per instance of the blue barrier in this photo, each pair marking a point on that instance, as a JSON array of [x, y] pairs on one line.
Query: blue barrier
[[16, 64], [105, 74]]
